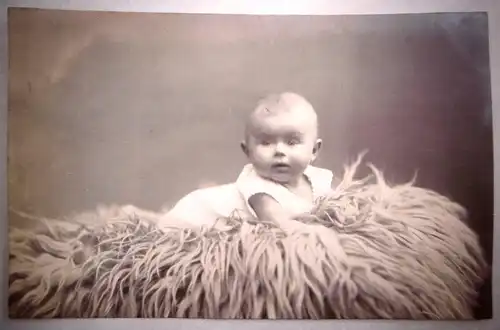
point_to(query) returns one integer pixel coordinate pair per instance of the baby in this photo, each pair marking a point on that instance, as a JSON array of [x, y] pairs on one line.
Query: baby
[[281, 142]]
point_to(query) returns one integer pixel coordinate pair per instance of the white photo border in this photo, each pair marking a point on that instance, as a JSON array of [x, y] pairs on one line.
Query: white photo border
[[257, 7]]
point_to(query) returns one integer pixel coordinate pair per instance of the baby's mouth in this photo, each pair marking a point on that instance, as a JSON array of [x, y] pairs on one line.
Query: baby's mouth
[[281, 166]]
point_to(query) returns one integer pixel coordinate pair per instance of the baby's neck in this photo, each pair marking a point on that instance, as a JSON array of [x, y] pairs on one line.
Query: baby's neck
[[301, 187], [298, 182]]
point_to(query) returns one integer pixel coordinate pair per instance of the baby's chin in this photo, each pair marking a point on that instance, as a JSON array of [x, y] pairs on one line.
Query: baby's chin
[[280, 178]]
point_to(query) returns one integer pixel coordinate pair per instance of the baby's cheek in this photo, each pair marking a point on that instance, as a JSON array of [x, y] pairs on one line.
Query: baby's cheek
[[263, 154], [303, 160], [302, 153]]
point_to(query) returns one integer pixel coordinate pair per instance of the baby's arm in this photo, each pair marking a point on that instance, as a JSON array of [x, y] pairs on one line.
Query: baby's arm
[[261, 197], [266, 208]]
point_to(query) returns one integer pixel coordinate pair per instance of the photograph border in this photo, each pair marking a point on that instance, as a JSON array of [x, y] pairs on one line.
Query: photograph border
[[258, 7]]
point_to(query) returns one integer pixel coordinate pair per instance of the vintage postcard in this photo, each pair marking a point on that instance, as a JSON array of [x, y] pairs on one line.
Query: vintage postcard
[[249, 167]]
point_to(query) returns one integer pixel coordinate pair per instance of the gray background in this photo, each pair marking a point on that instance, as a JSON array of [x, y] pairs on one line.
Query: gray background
[[352, 72]]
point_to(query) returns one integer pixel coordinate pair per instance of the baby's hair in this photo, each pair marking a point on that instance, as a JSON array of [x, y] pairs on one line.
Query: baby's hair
[[278, 104], [274, 104]]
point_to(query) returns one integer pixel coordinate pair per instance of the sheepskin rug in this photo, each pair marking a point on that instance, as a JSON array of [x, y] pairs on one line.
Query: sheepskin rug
[[368, 250]]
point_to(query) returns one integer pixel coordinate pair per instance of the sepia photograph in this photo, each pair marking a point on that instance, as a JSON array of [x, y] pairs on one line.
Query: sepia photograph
[[159, 167]]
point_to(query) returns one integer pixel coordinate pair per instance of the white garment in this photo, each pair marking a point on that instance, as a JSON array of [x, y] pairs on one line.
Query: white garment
[[204, 206], [250, 183]]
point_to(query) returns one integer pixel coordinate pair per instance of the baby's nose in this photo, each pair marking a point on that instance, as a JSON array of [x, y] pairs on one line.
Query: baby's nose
[[280, 148]]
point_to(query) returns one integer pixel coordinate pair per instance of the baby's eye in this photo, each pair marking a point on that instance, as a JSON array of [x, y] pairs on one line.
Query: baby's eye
[[265, 143], [293, 142]]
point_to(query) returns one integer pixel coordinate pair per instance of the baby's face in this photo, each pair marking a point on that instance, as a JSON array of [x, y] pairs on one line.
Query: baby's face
[[280, 147]]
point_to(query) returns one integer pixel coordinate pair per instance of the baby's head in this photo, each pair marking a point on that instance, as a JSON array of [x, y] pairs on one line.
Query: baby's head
[[281, 137]]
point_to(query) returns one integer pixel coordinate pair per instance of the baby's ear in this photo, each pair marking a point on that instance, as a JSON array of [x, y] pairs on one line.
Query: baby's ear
[[244, 147], [317, 147]]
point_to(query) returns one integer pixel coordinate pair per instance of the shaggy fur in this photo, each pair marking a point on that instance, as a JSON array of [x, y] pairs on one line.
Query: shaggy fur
[[367, 251]]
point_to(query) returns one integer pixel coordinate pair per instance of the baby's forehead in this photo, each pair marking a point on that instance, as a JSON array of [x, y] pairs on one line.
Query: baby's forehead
[[285, 123]]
